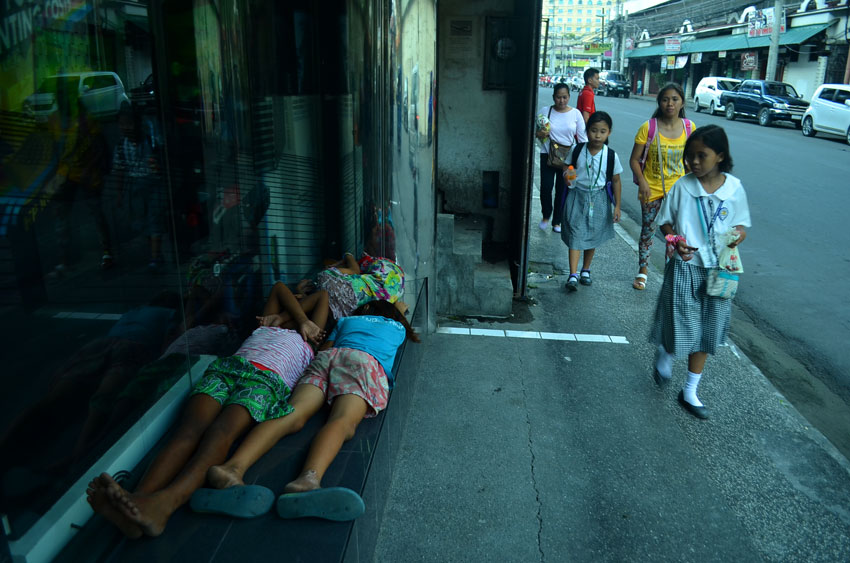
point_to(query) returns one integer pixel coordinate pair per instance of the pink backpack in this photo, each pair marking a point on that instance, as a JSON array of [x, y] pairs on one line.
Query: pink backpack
[[653, 126]]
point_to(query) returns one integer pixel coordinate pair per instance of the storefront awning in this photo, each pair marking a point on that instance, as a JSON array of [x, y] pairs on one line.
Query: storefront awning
[[738, 42]]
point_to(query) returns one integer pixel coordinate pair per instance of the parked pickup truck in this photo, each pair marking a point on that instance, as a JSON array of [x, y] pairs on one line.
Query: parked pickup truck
[[765, 100]]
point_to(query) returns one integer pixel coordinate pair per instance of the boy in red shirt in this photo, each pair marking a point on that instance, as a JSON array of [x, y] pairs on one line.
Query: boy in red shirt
[[586, 102]]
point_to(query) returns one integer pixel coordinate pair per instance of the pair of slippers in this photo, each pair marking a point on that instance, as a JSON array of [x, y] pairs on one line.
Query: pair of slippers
[[249, 501]]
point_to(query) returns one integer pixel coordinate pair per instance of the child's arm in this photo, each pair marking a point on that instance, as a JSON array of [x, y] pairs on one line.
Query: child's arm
[[742, 234], [682, 247], [348, 265], [281, 300], [326, 345], [644, 190], [618, 190]]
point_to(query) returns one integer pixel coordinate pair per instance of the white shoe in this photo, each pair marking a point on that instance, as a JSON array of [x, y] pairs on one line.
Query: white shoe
[[557, 228], [544, 224]]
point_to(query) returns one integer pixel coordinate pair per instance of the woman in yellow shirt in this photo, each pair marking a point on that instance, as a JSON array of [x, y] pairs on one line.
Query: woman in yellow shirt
[[664, 164]]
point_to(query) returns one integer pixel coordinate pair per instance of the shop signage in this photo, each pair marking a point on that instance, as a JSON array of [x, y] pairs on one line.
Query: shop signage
[[696, 58], [630, 43], [672, 45], [681, 61], [663, 63], [761, 22], [721, 54], [749, 60]]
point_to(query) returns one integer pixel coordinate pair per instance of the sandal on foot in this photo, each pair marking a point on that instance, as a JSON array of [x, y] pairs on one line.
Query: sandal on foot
[[248, 501], [640, 281], [585, 278], [572, 283], [334, 503]]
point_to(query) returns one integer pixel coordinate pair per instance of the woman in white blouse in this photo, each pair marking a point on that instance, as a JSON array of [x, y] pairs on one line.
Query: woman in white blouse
[[566, 127]]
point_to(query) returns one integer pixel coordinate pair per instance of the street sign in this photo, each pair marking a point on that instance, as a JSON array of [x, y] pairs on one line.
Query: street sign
[[672, 45], [761, 22], [749, 60]]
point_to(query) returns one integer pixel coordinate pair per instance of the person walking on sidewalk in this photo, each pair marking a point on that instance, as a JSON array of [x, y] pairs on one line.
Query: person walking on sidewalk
[[587, 213], [587, 97], [566, 127], [699, 209], [658, 165]]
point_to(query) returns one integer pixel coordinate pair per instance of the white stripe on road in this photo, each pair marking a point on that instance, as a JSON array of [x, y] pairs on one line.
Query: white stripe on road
[[533, 334]]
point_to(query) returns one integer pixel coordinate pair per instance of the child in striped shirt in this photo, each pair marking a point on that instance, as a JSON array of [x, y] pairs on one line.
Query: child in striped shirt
[[235, 393]]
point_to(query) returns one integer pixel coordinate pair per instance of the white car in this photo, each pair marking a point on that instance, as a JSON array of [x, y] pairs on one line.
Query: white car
[[707, 93], [829, 111], [101, 92]]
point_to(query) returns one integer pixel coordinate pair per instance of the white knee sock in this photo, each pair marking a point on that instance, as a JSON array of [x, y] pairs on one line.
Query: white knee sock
[[690, 389], [664, 362]]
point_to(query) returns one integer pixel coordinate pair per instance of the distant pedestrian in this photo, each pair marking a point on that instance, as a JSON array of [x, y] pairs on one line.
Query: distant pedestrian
[[588, 218], [701, 211], [565, 128], [587, 97], [656, 162], [640, 87]]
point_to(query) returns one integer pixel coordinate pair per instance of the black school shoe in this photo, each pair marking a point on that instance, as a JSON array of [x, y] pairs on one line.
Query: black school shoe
[[699, 412], [585, 278], [572, 283]]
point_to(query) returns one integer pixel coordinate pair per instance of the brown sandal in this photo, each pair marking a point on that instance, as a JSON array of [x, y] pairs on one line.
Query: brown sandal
[[640, 282]]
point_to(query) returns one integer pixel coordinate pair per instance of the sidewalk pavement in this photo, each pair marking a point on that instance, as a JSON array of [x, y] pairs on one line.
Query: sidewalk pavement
[[532, 449]]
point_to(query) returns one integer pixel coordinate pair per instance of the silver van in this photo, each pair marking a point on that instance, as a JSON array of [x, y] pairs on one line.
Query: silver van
[[101, 92]]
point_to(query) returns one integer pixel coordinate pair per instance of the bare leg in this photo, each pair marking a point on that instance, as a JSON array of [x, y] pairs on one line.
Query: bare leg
[[151, 511], [696, 362], [306, 400], [588, 258], [574, 254], [199, 414], [346, 413]]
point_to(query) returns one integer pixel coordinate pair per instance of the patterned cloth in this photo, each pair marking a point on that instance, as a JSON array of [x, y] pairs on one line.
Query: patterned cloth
[[234, 381], [341, 298], [584, 230], [686, 319], [379, 278], [648, 212], [281, 350], [343, 371]]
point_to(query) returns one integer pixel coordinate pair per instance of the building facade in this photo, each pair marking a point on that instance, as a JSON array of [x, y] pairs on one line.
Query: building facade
[[678, 43]]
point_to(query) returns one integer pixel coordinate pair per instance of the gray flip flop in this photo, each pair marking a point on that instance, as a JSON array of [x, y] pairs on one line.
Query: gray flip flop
[[247, 501], [334, 503]]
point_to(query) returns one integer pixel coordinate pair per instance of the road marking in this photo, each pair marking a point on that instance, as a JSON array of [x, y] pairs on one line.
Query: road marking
[[87, 316], [564, 336]]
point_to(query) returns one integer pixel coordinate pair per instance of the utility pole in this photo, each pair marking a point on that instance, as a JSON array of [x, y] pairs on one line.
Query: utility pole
[[773, 53], [545, 47]]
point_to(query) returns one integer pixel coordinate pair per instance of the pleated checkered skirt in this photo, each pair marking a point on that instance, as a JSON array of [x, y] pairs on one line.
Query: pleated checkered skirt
[[583, 230], [686, 319]]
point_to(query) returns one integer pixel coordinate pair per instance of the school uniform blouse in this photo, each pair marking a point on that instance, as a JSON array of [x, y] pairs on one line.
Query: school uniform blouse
[[682, 209], [564, 128], [600, 159]]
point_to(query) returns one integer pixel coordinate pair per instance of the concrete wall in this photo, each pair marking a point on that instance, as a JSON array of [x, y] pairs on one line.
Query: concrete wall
[[802, 75], [471, 121]]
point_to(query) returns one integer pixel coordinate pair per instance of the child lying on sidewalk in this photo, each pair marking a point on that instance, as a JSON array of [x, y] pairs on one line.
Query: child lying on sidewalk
[[353, 373], [252, 386]]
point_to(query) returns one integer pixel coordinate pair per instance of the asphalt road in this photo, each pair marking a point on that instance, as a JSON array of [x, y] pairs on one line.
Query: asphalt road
[[796, 268]]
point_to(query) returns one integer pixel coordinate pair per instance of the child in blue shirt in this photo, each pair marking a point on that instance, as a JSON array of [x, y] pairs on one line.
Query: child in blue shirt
[[352, 372]]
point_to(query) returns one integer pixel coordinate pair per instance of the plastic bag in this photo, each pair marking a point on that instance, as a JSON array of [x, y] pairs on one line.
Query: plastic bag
[[729, 259], [542, 124]]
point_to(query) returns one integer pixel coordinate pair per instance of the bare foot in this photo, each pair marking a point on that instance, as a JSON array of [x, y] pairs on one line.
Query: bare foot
[[307, 481], [270, 320], [149, 512], [310, 331], [101, 503], [222, 477]]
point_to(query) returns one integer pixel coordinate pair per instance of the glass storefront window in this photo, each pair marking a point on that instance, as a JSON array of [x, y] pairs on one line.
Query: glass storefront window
[[162, 165]]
